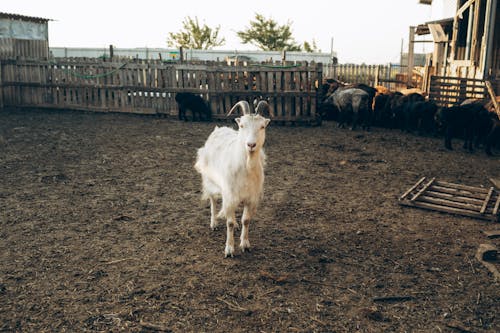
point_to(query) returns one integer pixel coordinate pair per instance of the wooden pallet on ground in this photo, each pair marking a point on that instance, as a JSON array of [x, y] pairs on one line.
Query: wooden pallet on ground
[[476, 202]]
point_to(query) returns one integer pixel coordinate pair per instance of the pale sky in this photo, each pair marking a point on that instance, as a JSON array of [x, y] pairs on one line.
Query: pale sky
[[366, 31]]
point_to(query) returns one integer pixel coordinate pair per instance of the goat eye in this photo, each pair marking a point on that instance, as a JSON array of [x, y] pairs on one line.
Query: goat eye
[[262, 127]]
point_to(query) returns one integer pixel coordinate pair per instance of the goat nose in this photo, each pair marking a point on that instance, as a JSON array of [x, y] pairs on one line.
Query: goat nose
[[251, 145]]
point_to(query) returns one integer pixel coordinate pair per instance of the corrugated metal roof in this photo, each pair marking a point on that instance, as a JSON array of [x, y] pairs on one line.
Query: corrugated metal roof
[[23, 17]]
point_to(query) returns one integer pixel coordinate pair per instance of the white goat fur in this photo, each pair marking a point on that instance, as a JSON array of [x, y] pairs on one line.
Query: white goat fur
[[231, 164]]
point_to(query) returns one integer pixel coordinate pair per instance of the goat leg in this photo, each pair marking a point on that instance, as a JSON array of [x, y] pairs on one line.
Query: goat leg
[[213, 210], [229, 251], [245, 222]]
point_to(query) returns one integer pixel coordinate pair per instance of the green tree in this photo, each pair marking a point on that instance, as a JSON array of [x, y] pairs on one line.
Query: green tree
[[267, 35], [311, 47], [194, 36]]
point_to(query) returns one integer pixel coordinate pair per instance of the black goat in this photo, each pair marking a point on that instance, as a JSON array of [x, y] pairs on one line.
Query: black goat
[[469, 120], [193, 102]]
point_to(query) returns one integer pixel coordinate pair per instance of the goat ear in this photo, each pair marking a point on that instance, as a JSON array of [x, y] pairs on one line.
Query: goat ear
[[266, 122], [237, 121]]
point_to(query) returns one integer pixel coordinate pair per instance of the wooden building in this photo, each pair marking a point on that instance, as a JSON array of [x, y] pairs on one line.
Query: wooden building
[[23, 37], [466, 43]]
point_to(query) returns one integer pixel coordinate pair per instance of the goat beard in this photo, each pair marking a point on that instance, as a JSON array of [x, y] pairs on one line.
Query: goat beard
[[253, 158]]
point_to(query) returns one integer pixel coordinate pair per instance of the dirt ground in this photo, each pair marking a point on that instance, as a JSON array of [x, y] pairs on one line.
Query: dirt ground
[[102, 229]]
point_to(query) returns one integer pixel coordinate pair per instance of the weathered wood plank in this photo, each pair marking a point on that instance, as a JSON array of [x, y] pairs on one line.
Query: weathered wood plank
[[486, 200], [450, 210], [411, 189], [452, 197], [422, 190], [448, 203]]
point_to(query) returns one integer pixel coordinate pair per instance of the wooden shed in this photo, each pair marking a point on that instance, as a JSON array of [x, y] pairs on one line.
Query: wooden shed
[[466, 44], [23, 37]]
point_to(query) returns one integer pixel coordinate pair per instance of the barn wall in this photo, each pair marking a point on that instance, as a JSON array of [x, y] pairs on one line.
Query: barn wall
[[21, 38], [11, 48]]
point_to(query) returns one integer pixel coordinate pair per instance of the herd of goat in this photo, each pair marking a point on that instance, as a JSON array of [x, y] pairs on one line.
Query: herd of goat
[[231, 162], [475, 121], [360, 105]]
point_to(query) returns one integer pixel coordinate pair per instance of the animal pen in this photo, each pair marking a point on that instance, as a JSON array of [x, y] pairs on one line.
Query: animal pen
[[149, 87]]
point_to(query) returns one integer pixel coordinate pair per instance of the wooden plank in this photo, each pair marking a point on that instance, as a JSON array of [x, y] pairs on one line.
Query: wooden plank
[[458, 192], [497, 206], [450, 210], [422, 190], [454, 197], [492, 234], [486, 200], [448, 203], [462, 187], [403, 196], [289, 100]]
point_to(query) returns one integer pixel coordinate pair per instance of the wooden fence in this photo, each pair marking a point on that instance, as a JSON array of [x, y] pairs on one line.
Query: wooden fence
[[384, 75], [149, 87], [448, 91]]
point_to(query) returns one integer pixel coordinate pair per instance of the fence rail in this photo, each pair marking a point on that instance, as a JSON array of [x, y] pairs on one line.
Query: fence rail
[[448, 91], [149, 86]]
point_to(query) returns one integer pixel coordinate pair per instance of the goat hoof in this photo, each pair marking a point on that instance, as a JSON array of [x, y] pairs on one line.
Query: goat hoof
[[245, 246], [229, 252]]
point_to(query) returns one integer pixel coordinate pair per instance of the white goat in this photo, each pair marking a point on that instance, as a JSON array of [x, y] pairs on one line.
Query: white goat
[[231, 164]]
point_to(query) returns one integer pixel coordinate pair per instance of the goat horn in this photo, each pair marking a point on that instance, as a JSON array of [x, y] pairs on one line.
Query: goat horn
[[261, 106], [245, 107]]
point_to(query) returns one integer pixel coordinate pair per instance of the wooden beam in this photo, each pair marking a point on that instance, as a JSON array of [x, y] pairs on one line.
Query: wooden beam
[[448, 203], [497, 206], [454, 36], [411, 188], [410, 56], [464, 8], [491, 234], [462, 187], [475, 28], [493, 97], [450, 210], [486, 200], [422, 190], [453, 197]]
